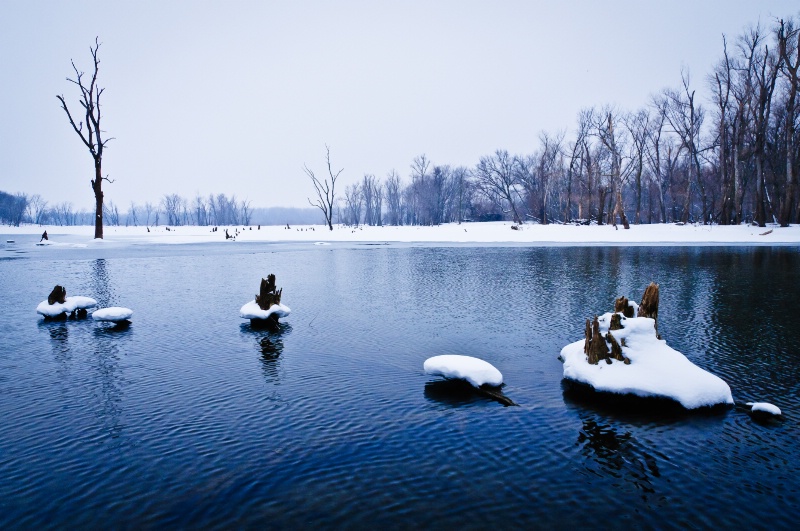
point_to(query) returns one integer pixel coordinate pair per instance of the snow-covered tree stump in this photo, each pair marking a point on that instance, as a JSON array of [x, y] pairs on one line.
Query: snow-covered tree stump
[[58, 307], [268, 294], [649, 305], [267, 308], [58, 295]]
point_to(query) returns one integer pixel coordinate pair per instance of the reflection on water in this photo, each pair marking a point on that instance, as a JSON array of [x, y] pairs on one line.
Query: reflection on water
[[615, 453], [451, 392], [109, 347], [59, 342], [269, 342], [101, 282]]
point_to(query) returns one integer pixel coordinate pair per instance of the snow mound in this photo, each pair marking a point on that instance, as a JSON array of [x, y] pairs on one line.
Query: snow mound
[[764, 407], [655, 369], [70, 305], [251, 310], [114, 314], [474, 370]]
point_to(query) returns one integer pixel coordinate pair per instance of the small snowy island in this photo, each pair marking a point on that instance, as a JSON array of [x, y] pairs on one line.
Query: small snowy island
[[481, 375], [624, 354], [113, 314], [267, 308], [58, 306]]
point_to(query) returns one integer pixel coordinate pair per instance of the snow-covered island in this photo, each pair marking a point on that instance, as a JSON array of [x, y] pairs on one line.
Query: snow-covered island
[[764, 409], [266, 309], [58, 306], [113, 314], [473, 370], [481, 375], [638, 362]]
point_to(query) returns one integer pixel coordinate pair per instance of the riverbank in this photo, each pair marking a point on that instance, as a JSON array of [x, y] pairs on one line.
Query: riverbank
[[485, 233]]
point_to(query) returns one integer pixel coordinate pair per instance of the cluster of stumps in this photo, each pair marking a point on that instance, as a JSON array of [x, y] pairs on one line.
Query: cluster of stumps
[[597, 347]]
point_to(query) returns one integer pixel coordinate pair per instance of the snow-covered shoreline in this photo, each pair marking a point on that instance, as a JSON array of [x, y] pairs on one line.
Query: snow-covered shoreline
[[466, 233]]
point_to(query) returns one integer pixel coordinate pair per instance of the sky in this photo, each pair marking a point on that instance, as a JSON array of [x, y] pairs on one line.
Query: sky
[[236, 97]]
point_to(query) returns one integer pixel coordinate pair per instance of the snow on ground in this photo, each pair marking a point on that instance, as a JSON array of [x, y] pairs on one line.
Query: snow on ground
[[71, 304], [114, 314], [656, 370], [252, 310], [488, 232], [474, 370]]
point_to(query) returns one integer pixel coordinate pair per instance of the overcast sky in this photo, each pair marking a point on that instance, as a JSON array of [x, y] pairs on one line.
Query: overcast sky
[[235, 96]]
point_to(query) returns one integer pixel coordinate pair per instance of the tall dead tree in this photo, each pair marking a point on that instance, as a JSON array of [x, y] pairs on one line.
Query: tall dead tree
[[686, 118], [789, 47], [326, 194], [497, 176], [720, 82], [608, 137], [89, 130]]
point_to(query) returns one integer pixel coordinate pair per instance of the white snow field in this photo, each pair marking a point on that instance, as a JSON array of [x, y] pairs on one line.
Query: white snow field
[[655, 369], [474, 370], [486, 232]]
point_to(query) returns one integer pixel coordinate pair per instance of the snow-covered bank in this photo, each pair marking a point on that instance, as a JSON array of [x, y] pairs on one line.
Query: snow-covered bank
[[489, 232]]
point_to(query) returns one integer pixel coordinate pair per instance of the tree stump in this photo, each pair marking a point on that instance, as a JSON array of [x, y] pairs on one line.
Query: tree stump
[[616, 350], [616, 322], [268, 293], [595, 345], [649, 305], [58, 295], [621, 305]]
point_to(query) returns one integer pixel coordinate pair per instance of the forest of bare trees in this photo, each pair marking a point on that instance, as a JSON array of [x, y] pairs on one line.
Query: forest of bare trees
[[730, 157], [733, 160]]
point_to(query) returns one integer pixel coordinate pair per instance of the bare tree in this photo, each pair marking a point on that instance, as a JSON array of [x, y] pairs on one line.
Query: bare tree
[[460, 177], [37, 209], [721, 83], [133, 215], [353, 196], [90, 132], [498, 178], [638, 125], [789, 46], [393, 198], [326, 194], [608, 136], [148, 210], [763, 66], [111, 212], [686, 118], [246, 211], [172, 204]]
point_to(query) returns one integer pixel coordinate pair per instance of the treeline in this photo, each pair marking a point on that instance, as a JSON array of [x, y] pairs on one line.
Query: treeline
[[674, 160], [172, 210]]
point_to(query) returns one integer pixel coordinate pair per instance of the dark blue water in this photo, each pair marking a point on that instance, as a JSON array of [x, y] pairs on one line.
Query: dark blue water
[[189, 418]]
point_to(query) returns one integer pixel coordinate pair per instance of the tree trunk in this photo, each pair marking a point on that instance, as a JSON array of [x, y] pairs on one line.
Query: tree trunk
[[58, 295], [649, 305], [594, 345], [786, 210], [268, 293], [761, 213], [97, 186]]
